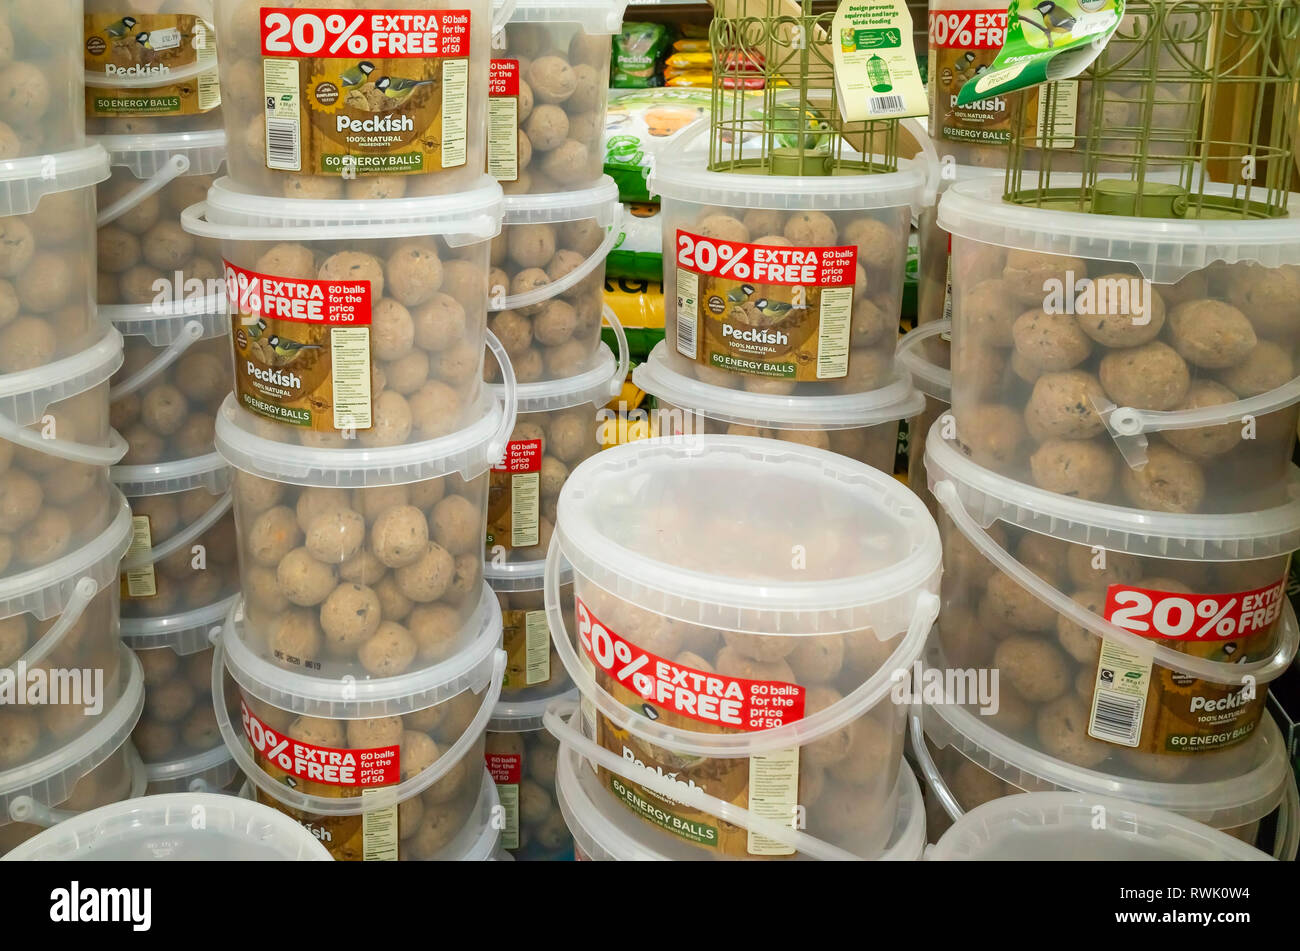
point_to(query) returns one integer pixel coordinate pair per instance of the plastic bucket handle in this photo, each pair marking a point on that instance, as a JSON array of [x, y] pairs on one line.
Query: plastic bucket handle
[[25, 808], [624, 352], [574, 277], [172, 169], [502, 14], [195, 529], [930, 770], [64, 449], [83, 593], [732, 745], [1263, 671], [190, 334], [509, 401], [483, 227], [378, 798]]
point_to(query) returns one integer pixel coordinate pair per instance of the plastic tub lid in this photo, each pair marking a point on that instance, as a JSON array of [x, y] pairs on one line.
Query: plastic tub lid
[[505, 577], [594, 16], [162, 828], [234, 214], [1165, 250], [25, 181], [163, 478], [27, 394], [1062, 826], [603, 532], [468, 451], [890, 403], [50, 778], [590, 386], [144, 154], [163, 324], [1224, 803], [210, 770], [688, 181], [356, 698], [605, 830], [990, 497], [478, 840], [599, 201], [185, 633], [930, 378], [45, 591], [525, 716]]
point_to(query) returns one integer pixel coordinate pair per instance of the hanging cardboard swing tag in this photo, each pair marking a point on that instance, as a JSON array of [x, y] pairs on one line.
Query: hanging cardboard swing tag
[[876, 72]]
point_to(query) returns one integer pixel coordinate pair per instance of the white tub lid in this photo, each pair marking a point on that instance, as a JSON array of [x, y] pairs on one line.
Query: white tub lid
[[25, 181], [594, 16], [144, 154], [595, 385], [162, 829], [1165, 250], [470, 451], [186, 633], [622, 514], [507, 576], [1062, 826], [930, 378], [236, 214], [50, 778], [605, 830], [26, 394], [214, 769], [209, 471], [989, 497], [680, 180], [1224, 803], [598, 201], [163, 323], [890, 403], [525, 716], [348, 698]]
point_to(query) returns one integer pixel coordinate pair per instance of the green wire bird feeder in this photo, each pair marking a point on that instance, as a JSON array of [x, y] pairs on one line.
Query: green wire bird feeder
[[1190, 111], [775, 105]]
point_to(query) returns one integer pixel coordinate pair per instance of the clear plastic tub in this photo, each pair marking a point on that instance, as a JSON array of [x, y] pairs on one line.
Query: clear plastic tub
[[550, 82], [521, 758], [150, 70], [162, 828], [742, 606], [966, 761], [42, 109], [1130, 643], [558, 427], [533, 669], [91, 766], [923, 355], [547, 280], [1107, 359], [183, 553], [416, 787], [604, 832], [355, 321], [862, 426], [361, 563], [934, 270], [1063, 826], [47, 270], [211, 772], [395, 110], [817, 315]]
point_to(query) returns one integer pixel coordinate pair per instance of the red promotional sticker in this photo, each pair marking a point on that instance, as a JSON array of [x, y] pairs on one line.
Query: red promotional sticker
[[764, 264], [321, 764], [506, 769], [387, 34], [335, 303], [968, 29], [748, 705], [1175, 616], [523, 455], [504, 78]]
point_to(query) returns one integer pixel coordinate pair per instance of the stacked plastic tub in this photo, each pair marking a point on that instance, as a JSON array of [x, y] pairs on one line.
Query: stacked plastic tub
[[550, 79], [75, 691], [736, 650], [354, 678], [1118, 505]]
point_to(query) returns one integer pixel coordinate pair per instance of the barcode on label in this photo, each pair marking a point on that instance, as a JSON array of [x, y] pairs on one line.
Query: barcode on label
[[283, 145], [688, 289], [1116, 718], [879, 105]]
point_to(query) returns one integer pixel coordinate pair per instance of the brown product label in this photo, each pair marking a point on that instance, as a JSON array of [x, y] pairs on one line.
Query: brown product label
[[526, 638], [782, 312], [963, 43], [139, 583], [503, 120], [371, 92], [514, 496], [137, 46], [302, 349], [679, 696], [1147, 707]]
